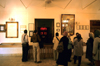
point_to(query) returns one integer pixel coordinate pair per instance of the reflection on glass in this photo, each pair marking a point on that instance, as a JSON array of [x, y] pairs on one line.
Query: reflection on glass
[[68, 21]]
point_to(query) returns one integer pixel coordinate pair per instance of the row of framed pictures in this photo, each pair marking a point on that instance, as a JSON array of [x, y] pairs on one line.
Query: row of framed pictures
[[11, 29], [82, 27]]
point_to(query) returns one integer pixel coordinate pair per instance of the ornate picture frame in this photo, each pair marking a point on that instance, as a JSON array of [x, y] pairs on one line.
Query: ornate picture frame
[[68, 23], [11, 29]]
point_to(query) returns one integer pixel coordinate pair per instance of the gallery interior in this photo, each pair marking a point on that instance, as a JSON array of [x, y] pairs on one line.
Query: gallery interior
[[48, 17]]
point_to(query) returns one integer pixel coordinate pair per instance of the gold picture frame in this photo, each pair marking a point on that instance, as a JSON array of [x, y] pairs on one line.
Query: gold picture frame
[[11, 29], [68, 23]]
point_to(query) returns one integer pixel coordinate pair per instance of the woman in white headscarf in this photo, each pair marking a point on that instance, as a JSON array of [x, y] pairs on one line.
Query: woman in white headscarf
[[89, 48], [96, 47]]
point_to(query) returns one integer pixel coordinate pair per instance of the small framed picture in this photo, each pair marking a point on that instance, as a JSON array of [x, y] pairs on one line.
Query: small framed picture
[[83, 27], [57, 24], [57, 30], [22, 28], [79, 27], [31, 26], [86, 27], [2, 28], [30, 33]]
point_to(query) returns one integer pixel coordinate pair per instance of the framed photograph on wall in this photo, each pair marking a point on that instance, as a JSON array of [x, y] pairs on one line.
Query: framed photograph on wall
[[11, 29], [30, 33], [57, 24], [22, 28], [31, 26], [2, 27], [58, 30], [68, 23], [86, 27]]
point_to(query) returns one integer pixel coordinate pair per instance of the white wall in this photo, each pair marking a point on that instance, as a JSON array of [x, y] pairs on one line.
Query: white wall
[[15, 9]]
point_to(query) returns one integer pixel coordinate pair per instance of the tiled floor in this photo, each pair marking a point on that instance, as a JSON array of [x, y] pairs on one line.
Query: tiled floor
[[16, 61]]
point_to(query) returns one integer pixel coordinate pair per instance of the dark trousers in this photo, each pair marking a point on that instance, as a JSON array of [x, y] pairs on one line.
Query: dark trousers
[[25, 48], [66, 64], [69, 54], [79, 59]]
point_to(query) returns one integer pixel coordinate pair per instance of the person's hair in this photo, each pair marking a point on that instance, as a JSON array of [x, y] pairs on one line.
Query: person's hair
[[25, 31], [96, 33], [57, 34], [77, 33], [79, 37], [35, 31], [91, 35], [65, 33]]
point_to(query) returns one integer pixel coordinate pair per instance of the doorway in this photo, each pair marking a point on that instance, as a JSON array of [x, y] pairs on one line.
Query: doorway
[[45, 28]]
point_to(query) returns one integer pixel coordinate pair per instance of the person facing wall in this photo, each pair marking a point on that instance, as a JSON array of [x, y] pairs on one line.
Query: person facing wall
[[36, 49], [56, 41], [25, 46]]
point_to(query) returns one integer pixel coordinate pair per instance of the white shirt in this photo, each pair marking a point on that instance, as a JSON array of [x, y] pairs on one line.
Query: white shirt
[[55, 41], [26, 38]]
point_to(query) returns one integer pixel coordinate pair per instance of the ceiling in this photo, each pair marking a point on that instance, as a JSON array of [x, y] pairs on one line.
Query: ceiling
[[58, 3]]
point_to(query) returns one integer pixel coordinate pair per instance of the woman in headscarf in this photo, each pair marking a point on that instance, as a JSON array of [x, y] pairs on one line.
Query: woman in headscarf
[[90, 48], [78, 49], [63, 56], [96, 47]]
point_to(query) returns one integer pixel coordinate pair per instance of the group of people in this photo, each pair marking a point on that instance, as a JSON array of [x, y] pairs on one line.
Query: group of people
[[36, 48], [62, 58], [92, 50]]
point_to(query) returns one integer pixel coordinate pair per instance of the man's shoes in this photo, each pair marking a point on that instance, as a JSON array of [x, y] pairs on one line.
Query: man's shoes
[[78, 64], [25, 61], [39, 61], [35, 61]]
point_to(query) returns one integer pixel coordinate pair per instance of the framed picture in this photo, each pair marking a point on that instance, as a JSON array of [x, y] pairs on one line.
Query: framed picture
[[86, 27], [57, 30], [11, 29], [22, 28], [30, 33], [2, 28], [68, 23], [57, 24], [31, 26]]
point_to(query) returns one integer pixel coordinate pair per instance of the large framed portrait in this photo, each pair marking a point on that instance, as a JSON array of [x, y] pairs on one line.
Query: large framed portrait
[[68, 23], [11, 29]]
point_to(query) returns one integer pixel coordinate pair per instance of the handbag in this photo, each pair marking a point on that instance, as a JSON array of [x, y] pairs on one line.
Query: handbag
[[60, 47]]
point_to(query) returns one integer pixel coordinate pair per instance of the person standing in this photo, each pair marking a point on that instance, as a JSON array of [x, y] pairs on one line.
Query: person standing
[[76, 35], [56, 41], [25, 46], [63, 56], [36, 48], [69, 48], [96, 47], [78, 49], [89, 48]]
